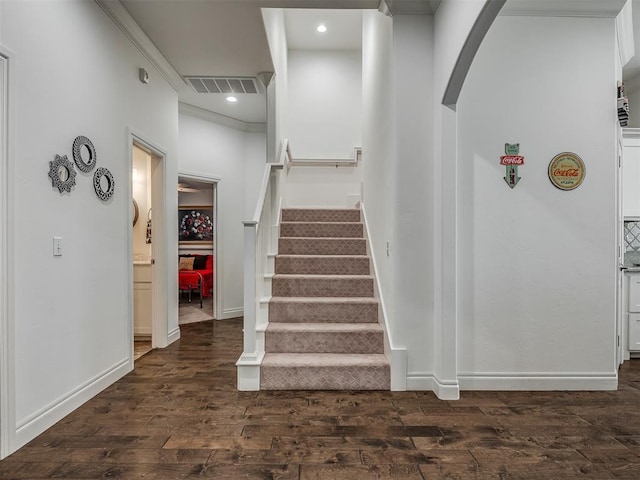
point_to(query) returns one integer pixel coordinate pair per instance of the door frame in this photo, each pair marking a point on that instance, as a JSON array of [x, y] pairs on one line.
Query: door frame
[[7, 352], [159, 276], [217, 248]]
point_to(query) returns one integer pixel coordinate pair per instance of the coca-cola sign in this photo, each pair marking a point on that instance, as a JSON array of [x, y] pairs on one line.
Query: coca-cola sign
[[566, 171]]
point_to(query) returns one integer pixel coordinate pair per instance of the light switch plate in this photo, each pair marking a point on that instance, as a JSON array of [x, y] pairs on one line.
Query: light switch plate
[[57, 246]]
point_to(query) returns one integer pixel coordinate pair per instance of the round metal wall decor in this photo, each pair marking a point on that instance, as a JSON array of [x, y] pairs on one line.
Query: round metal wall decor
[[567, 171], [62, 173], [102, 193], [83, 166]]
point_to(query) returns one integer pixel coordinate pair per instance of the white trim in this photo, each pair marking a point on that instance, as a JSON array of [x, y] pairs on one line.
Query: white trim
[[248, 367], [219, 119], [539, 381], [160, 316], [422, 381], [126, 23], [44, 418], [173, 335], [217, 247], [228, 313], [7, 346], [397, 354], [607, 9]]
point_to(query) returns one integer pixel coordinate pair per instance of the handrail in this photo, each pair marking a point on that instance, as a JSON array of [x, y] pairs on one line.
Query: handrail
[[266, 178]]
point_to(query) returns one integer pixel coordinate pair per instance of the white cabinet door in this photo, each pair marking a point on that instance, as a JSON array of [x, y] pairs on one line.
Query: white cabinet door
[[634, 293], [634, 331]]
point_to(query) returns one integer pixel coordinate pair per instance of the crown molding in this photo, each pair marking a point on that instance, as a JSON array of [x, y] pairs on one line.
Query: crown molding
[[125, 22], [555, 8], [209, 116]]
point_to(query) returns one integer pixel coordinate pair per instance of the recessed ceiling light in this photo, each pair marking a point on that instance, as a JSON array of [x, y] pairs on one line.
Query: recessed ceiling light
[[232, 99], [322, 28]]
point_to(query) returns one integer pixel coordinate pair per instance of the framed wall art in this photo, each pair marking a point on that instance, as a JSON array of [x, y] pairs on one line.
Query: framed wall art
[[195, 225]]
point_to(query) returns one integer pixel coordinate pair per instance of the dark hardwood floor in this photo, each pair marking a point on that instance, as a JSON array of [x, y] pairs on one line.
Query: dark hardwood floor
[[178, 415]]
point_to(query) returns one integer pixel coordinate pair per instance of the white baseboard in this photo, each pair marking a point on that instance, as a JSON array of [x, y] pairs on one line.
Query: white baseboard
[[32, 426], [173, 336], [228, 313], [539, 381], [444, 390]]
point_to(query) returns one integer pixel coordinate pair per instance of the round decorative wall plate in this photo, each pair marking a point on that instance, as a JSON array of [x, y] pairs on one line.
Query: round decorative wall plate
[[62, 173], [83, 166], [567, 171], [104, 192]]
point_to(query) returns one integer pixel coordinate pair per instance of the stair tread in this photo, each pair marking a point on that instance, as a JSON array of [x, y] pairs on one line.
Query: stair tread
[[311, 255], [342, 239], [324, 360], [324, 327], [324, 300], [306, 222], [321, 276]]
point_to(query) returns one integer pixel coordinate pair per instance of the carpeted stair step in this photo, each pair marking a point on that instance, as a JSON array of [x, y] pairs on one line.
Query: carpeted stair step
[[324, 371], [321, 229], [363, 338], [323, 310], [320, 215], [322, 286], [323, 264], [321, 246]]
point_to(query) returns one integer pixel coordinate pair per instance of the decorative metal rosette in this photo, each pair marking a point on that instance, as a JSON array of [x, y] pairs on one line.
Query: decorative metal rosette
[[62, 173], [102, 193], [83, 166]]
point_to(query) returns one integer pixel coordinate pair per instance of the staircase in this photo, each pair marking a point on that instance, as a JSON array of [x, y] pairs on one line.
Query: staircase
[[323, 331]]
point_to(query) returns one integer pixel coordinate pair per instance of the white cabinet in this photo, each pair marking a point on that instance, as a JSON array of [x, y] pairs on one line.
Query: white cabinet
[[142, 300], [634, 331], [633, 307], [631, 173]]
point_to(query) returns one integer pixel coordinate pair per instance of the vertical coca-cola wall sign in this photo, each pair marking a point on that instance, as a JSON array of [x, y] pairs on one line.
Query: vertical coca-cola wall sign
[[567, 171], [512, 160]]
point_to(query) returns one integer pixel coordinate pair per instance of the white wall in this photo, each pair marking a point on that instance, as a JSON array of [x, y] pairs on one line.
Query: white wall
[[538, 267], [233, 156], [324, 103], [277, 91], [412, 251], [378, 171], [75, 74]]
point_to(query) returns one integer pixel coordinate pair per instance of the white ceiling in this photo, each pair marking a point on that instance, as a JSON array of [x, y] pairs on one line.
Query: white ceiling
[[227, 37], [344, 29]]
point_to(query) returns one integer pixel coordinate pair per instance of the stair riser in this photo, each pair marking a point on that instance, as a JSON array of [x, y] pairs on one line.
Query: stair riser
[[324, 342], [322, 266], [322, 313], [336, 230], [320, 287], [325, 378], [320, 215], [322, 246]]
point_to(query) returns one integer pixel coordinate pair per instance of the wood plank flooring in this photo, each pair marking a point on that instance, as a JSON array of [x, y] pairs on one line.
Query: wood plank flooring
[[178, 415]]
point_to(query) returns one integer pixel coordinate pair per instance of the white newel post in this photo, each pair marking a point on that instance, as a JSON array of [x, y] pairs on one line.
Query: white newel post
[[249, 363]]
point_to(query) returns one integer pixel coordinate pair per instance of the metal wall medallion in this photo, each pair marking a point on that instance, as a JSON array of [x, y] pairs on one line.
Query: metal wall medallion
[[83, 166], [102, 193], [62, 173], [567, 171]]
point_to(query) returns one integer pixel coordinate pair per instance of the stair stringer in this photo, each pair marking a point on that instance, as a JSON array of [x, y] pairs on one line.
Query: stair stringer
[[397, 355]]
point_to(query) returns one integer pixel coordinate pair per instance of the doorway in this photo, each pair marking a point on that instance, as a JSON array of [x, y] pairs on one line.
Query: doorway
[[148, 299], [197, 249], [141, 206]]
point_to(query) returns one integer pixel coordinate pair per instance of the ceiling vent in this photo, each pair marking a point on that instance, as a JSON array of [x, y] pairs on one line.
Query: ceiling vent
[[223, 85]]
